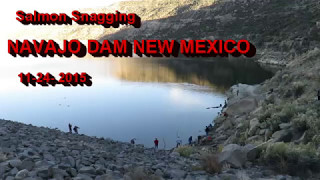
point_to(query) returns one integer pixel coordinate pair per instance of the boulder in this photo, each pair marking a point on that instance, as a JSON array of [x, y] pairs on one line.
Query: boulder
[[234, 155], [252, 151], [15, 163], [285, 125], [27, 164], [254, 125], [87, 170], [282, 135], [22, 174], [177, 173]]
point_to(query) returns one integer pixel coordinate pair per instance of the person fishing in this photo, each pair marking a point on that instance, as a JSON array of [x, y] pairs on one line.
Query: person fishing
[[207, 130], [225, 104], [133, 141], [156, 143], [179, 141], [199, 136], [190, 140], [75, 129], [70, 128]]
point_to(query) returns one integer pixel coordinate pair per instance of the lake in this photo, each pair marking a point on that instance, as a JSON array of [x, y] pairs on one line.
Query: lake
[[129, 98]]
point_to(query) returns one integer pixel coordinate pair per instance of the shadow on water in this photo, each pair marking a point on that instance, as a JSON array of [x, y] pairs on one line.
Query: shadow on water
[[220, 74]]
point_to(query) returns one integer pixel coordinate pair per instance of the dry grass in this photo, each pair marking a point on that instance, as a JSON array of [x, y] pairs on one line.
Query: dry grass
[[211, 164], [140, 174], [184, 151]]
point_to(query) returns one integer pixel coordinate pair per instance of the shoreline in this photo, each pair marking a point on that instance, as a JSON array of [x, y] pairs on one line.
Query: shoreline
[[27, 151]]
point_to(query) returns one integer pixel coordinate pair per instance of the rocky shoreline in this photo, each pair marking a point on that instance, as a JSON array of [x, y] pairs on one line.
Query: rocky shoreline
[[32, 153]]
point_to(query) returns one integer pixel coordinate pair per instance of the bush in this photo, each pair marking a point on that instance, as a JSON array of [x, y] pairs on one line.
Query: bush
[[211, 164], [140, 174], [184, 151], [298, 88], [310, 123], [290, 158]]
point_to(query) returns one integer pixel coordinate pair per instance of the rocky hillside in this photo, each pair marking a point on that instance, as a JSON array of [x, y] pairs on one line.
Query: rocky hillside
[[279, 29], [281, 116], [146, 9], [37, 153]]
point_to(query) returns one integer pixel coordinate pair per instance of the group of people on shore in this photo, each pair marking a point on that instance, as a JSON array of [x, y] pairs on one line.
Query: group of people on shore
[[179, 140], [75, 129]]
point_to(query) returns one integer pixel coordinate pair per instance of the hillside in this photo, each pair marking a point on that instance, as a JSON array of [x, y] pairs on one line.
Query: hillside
[[279, 29]]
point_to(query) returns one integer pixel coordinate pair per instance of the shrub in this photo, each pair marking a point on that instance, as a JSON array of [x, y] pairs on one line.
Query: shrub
[[300, 122], [140, 174], [298, 89], [184, 151], [211, 164], [220, 148], [292, 159]]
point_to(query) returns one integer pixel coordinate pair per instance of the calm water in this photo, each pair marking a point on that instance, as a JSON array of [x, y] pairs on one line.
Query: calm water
[[129, 98]]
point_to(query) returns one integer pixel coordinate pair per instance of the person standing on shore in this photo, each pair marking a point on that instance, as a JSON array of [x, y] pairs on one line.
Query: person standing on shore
[[70, 128], [190, 140], [156, 143], [179, 141], [75, 129], [199, 137], [207, 130], [133, 141]]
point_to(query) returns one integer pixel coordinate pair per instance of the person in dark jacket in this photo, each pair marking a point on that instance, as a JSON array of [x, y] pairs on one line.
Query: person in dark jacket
[[70, 128], [75, 129], [190, 140], [207, 130]]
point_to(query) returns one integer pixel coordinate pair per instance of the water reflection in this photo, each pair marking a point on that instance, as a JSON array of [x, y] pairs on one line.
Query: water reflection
[[129, 98], [219, 74]]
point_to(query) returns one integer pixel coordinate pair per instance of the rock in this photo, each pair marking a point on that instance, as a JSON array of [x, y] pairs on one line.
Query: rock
[[282, 135], [252, 151], [255, 138], [227, 124], [71, 161], [13, 171], [9, 178], [267, 134], [87, 170], [177, 173], [57, 173], [43, 172], [234, 155], [83, 177], [301, 139], [109, 177], [158, 172], [263, 125], [72, 172], [254, 125], [15, 163], [285, 125], [174, 154], [262, 132], [22, 174], [27, 164]]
